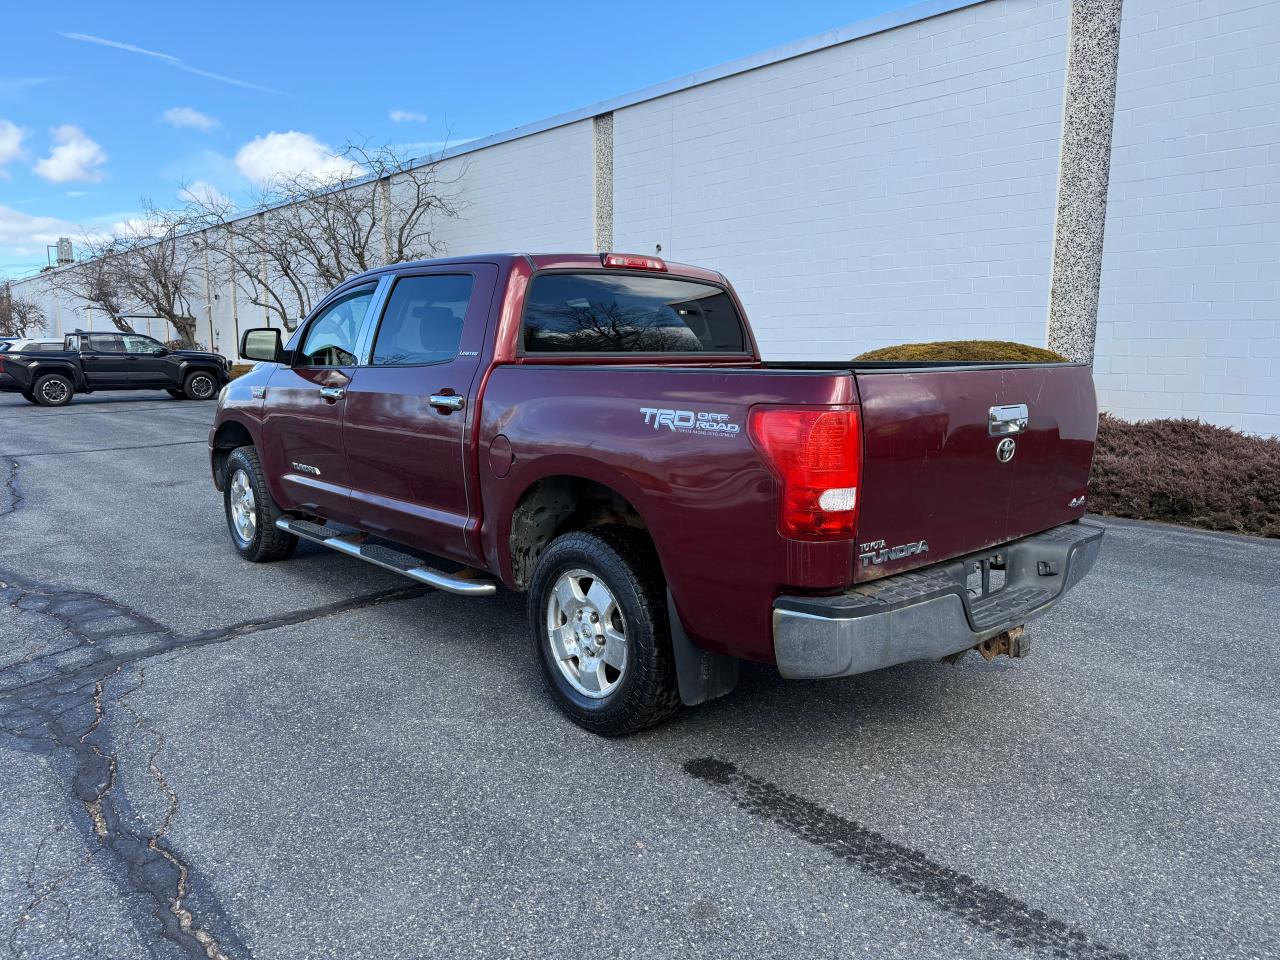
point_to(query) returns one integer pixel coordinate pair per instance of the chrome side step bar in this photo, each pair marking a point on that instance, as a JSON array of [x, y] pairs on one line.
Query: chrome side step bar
[[353, 545]]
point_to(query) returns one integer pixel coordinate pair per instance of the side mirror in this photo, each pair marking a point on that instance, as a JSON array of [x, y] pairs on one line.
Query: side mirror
[[161, 351], [262, 343]]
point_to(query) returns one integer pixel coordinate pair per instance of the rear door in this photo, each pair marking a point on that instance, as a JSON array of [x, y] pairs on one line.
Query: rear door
[[104, 361], [963, 458], [304, 404], [408, 408]]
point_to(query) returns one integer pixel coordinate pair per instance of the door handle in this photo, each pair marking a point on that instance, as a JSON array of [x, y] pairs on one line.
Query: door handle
[[333, 394], [447, 401], [1007, 419]]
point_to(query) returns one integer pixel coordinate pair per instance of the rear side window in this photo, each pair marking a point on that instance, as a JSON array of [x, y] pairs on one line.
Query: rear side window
[[105, 345], [42, 348], [625, 313], [423, 320]]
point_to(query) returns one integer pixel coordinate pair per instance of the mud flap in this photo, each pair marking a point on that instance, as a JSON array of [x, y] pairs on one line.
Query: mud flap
[[701, 674]]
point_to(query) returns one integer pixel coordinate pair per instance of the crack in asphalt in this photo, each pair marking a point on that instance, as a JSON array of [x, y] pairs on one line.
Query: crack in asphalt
[[57, 702], [910, 871], [70, 453], [113, 410]]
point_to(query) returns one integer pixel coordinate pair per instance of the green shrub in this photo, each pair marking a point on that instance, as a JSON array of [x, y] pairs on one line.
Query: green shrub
[[965, 350], [1188, 472]]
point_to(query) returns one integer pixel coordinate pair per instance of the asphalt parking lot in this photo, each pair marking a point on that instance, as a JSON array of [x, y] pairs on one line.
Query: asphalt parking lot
[[200, 757]]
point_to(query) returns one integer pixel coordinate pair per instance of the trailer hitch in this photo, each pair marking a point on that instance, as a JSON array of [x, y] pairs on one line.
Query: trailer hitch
[[1014, 642]]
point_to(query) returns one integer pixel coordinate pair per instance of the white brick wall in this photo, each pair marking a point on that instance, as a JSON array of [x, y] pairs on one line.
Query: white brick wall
[[899, 187], [532, 194], [1189, 321]]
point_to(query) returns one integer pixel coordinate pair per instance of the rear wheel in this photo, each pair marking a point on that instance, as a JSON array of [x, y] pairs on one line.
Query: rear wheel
[[251, 513], [52, 390], [597, 609], [199, 385]]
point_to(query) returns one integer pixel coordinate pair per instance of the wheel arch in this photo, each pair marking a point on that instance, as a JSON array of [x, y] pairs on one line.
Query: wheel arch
[[558, 503], [229, 435]]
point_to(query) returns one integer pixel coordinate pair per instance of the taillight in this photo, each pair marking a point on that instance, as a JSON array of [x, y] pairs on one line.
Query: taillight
[[633, 261], [816, 454]]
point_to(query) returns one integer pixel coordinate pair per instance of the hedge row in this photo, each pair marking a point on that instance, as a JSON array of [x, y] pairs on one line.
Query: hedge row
[[1189, 472]]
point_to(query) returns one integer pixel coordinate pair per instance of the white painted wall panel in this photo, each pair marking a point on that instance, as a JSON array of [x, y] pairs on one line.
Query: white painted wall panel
[[1189, 320], [899, 187]]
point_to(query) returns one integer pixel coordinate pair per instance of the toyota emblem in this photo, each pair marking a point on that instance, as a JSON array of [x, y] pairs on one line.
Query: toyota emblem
[[1005, 450]]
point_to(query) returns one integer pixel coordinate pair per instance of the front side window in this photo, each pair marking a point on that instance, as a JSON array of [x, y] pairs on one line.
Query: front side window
[[141, 346], [423, 320], [331, 337], [105, 345], [624, 313]]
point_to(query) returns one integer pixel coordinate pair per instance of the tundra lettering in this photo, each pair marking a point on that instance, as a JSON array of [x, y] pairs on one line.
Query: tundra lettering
[[876, 553]]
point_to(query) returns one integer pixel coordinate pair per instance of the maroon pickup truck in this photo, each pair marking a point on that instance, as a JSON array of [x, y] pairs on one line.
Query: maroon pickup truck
[[599, 432]]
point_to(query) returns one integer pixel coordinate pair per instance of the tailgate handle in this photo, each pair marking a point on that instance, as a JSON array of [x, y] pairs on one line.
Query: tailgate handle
[[1007, 419]]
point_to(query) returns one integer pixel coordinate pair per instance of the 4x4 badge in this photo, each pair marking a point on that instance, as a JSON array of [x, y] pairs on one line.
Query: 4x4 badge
[[1005, 450]]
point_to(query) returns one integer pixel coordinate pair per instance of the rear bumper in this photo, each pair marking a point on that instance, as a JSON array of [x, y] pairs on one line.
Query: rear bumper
[[928, 614]]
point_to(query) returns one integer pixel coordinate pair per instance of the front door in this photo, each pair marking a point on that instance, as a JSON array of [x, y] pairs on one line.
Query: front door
[[146, 361], [304, 404], [408, 409]]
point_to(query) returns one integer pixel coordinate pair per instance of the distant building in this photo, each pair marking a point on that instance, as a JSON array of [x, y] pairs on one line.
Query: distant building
[[897, 180]]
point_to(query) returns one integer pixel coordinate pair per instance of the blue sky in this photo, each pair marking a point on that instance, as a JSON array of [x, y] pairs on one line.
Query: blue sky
[[104, 104]]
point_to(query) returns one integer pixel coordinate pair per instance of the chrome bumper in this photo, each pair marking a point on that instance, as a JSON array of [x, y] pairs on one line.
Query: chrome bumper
[[928, 614]]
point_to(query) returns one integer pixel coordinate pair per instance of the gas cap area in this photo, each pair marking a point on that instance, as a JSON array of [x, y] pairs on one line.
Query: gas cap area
[[500, 456]]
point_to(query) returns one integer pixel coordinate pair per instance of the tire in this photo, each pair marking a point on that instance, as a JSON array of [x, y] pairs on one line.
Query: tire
[[629, 680], [200, 385], [176, 393], [257, 540], [52, 390]]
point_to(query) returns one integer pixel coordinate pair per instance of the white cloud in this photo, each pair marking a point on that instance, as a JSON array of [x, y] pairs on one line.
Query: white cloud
[[291, 154], [408, 116], [22, 234], [74, 157], [10, 143], [202, 192], [189, 117]]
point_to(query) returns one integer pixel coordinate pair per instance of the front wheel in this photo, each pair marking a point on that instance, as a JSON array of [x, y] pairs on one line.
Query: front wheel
[[251, 513], [199, 385], [597, 609], [53, 390]]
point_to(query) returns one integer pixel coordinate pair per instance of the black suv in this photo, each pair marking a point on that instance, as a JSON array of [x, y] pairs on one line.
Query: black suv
[[112, 361]]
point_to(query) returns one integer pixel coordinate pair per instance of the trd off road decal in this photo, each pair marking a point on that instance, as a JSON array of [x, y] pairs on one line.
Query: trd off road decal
[[690, 421]]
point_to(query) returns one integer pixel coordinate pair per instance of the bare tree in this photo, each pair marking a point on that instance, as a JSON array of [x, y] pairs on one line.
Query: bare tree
[[157, 267], [96, 281], [303, 234], [18, 317]]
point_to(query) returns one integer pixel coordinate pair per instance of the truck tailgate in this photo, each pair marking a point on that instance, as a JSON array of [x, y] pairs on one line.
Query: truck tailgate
[[933, 484]]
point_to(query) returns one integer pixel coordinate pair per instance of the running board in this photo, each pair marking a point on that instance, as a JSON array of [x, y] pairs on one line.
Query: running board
[[353, 545]]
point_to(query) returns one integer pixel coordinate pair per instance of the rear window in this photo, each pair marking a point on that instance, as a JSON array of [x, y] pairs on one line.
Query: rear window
[[625, 313]]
